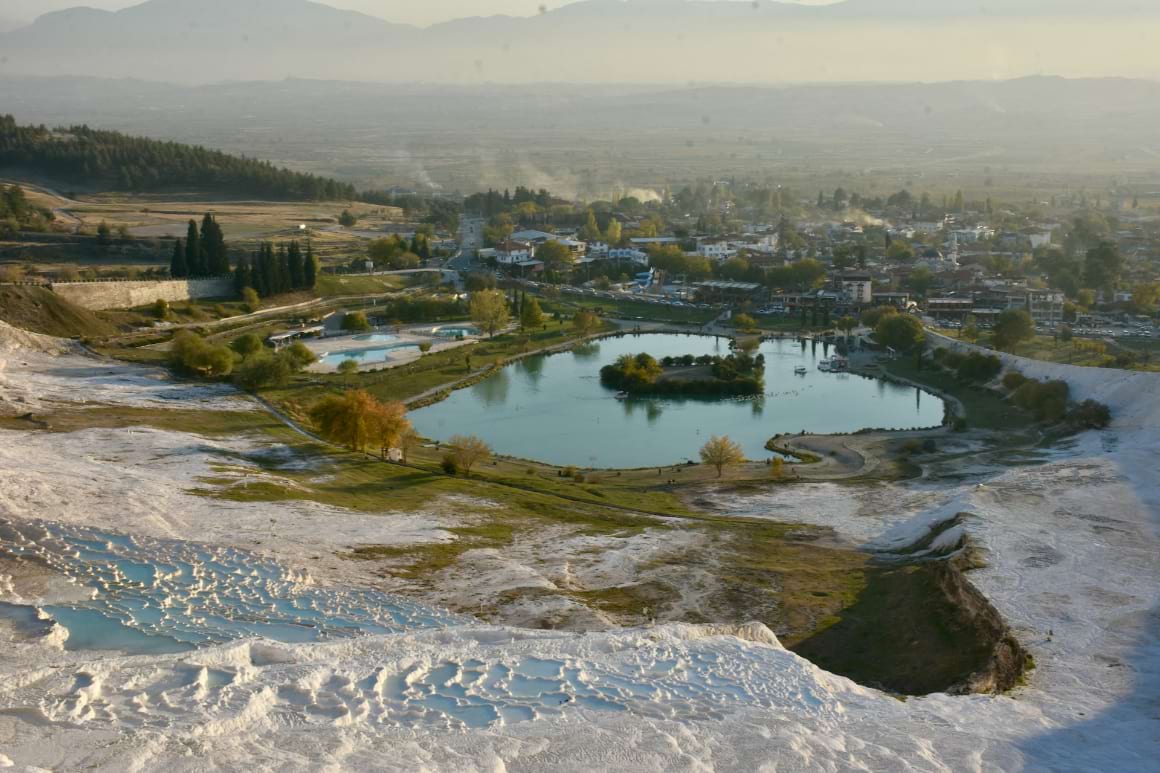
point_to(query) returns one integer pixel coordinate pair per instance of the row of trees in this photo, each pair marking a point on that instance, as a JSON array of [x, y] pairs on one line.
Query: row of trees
[[398, 253], [122, 162], [247, 359], [202, 254], [359, 421], [274, 270]]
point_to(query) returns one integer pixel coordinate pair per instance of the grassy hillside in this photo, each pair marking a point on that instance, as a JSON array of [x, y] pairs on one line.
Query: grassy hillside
[[41, 311]]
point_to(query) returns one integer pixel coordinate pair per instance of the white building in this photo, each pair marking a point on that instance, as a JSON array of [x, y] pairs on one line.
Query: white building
[[533, 237], [716, 249], [857, 288], [513, 252], [1041, 239]]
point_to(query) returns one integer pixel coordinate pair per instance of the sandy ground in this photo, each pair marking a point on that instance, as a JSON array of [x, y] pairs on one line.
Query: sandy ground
[[1071, 543]]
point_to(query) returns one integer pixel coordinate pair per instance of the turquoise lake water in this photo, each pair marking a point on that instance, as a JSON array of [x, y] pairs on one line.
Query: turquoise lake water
[[554, 409]]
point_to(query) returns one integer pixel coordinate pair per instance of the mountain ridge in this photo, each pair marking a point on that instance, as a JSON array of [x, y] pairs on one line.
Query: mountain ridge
[[205, 41]]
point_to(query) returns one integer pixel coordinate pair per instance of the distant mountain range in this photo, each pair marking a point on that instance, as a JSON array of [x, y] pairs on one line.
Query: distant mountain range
[[201, 41]]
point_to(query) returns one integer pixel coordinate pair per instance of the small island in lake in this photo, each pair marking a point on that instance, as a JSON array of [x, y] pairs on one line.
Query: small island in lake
[[737, 375]]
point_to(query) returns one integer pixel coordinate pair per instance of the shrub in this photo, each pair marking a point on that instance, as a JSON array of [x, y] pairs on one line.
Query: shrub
[[953, 360], [1090, 415], [449, 465], [248, 344], [1013, 380], [356, 322], [262, 370], [911, 447], [979, 367], [250, 300], [193, 353], [1047, 400], [900, 332]]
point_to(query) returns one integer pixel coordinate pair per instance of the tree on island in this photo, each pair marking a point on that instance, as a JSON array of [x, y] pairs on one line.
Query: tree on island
[[722, 452], [489, 310]]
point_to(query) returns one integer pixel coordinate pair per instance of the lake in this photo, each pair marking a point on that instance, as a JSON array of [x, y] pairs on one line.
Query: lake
[[554, 409]]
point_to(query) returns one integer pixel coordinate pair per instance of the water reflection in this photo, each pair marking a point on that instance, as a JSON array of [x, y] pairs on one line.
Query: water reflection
[[494, 390], [556, 409], [586, 352], [533, 369]]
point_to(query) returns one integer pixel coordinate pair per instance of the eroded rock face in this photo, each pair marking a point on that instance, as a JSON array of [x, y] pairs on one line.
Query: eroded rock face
[[1008, 660]]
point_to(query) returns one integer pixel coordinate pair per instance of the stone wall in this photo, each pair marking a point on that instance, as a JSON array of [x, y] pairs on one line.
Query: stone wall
[[128, 295]]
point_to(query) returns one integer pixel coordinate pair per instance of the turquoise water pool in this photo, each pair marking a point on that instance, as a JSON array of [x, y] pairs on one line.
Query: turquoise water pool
[[457, 331], [165, 596], [375, 338], [368, 356], [167, 599]]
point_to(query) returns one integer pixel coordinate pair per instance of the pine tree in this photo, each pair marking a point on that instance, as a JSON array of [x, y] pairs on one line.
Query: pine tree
[[309, 268], [193, 254], [177, 266]]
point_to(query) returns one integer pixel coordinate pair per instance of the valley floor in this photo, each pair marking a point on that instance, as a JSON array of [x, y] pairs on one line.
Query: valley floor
[[1070, 537]]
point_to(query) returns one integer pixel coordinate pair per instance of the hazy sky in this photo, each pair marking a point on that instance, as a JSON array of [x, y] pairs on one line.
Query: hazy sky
[[408, 11]]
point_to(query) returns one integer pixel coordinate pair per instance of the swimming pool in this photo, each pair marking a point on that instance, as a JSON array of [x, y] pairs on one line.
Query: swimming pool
[[375, 338], [456, 331], [369, 356]]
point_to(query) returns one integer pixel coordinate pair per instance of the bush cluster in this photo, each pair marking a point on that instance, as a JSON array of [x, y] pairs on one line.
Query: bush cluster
[[1046, 400], [738, 374]]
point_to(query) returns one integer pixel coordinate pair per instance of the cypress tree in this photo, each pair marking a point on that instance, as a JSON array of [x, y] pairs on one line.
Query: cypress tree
[[309, 268], [193, 265], [282, 283], [242, 275], [294, 261], [213, 246], [177, 267], [263, 272]]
